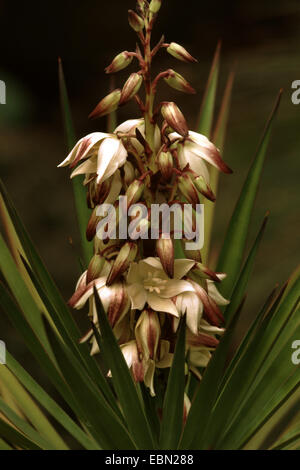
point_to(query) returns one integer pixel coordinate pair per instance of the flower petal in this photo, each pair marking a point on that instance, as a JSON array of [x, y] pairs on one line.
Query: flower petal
[[182, 267], [215, 294], [165, 358], [81, 295], [138, 296], [111, 156], [127, 126], [133, 275], [175, 287], [187, 156], [200, 357], [83, 148], [149, 377], [205, 149], [158, 304], [89, 166]]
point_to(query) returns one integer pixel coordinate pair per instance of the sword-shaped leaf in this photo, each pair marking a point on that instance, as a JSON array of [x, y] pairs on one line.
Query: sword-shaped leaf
[[123, 382], [232, 252], [83, 213], [172, 418]]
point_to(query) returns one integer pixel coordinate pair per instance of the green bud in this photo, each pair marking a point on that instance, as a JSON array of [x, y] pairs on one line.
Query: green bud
[[135, 21], [126, 255], [142, 6], [129, 173], [131, 87], [107, 105], [177, 81], [155, 6], [121, 61], [134, 192], [180, 53], [187, 189], [95, 268], [165, 164], [203, 272], [204, 188], [165, 251], [191, 254]]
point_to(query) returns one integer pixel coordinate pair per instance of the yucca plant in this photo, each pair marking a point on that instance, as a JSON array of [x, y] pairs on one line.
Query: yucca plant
[[164, 370]]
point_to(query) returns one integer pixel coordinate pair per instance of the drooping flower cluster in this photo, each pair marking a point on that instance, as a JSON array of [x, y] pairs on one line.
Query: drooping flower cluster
[[147, 161]]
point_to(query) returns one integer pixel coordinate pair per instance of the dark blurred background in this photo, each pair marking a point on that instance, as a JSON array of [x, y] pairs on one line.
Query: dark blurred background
[[262, 37]]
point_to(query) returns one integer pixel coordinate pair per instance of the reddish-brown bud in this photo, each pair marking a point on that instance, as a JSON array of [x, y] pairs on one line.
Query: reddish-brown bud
[[92, 225], [147, 333], [165, 251], [203, 272], [175, 118]]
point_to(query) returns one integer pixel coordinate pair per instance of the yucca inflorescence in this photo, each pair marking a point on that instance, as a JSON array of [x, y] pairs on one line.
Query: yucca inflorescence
[[156, 315], [148, 161]]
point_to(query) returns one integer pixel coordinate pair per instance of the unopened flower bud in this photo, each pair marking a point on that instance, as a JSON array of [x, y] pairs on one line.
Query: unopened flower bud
[[203, 272], [116, 304], [134, 192], [131, 356], [121, 61], [177, 81], [131, 87], [126, 255], [142, 7], [106, 248], [174, 118], [154, 6], [129, 173], [135, 21], [95, 268], [204, 188], [191, 254], [165, 164], [165, 251], [180, 53], [92, 225], [140, 228], [107, 105], [187, 189], [147, 334]]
